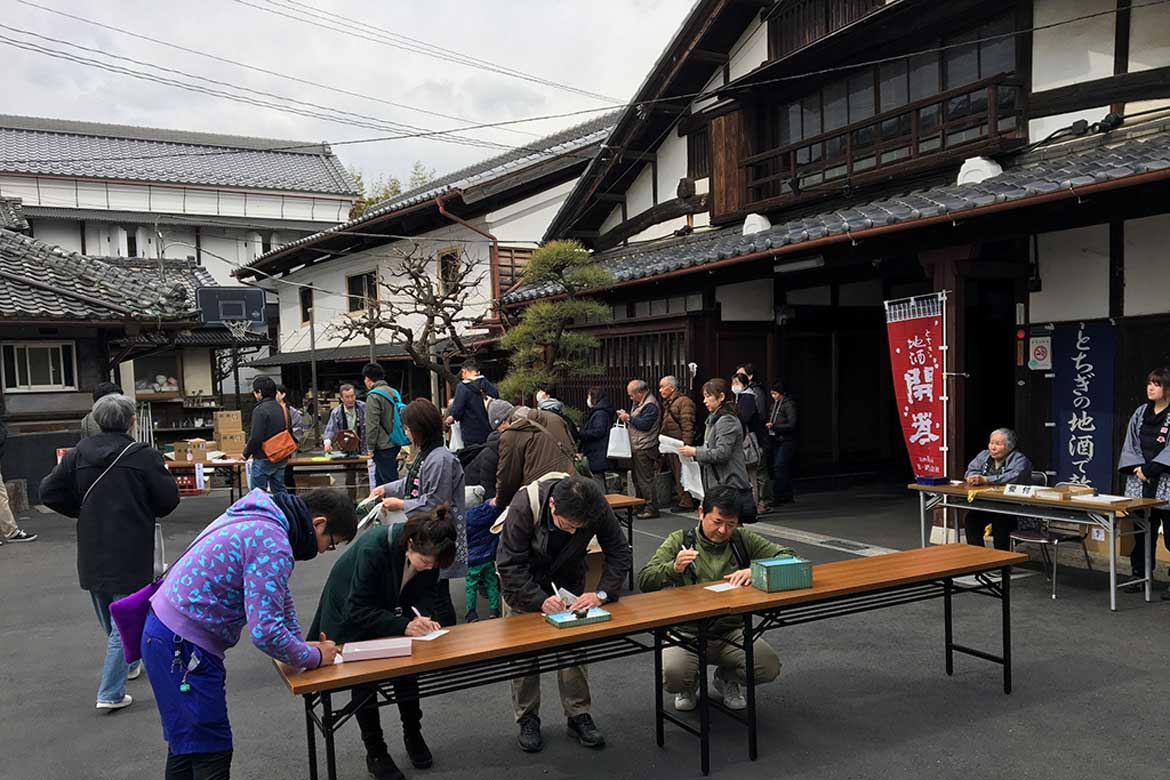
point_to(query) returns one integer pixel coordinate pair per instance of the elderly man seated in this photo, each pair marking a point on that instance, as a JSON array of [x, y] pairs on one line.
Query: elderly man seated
[[716, 549], [999, 464]]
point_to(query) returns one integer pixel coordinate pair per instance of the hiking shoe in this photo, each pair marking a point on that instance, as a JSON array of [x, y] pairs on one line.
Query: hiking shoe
[[20, 536], [416, 748], [382, 767], [731, 692], [687, 700], [472, 617], [135, 671], [582, 729], [126, 701], [530, 739]]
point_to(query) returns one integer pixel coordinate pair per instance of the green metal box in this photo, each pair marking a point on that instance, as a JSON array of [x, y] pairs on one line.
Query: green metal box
[[787, 573]]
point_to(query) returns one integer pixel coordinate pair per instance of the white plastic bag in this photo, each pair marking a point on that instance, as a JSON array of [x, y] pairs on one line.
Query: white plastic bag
[[691, 476], [456, 442], [619, 442]]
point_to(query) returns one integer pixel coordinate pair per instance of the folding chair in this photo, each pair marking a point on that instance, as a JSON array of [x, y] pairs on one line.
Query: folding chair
[[1047, 536]]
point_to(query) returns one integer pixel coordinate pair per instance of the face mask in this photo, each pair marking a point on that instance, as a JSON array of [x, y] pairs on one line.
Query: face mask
[[589, 403], [541, 396], [736, 389]]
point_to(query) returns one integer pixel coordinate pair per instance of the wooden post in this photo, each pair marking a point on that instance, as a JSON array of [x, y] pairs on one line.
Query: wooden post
[[313, 382]]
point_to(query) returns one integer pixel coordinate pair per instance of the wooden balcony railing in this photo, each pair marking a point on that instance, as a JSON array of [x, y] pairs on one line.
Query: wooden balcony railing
[[801, 22], [987, 113]]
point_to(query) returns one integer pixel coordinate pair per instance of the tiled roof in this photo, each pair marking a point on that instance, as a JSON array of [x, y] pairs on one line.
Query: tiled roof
[[559, 144], [359, 354], [51, 147], [198, 337], [158, 218], [1063, 167], [39, 281], [11, 214]]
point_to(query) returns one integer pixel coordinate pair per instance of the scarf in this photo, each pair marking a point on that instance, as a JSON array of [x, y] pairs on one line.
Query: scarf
[[412, 488], [301, 536]]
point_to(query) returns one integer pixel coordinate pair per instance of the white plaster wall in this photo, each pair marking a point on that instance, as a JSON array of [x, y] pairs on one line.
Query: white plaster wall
[[1074, 275], [613, 220], [750, 51], [640, 194], [62, 233], [1075, 52], [525, 221], [660, 230], [672, 165], [1149, 37], [1039, 129], [1147, 287], [197, 372], [746, 301]]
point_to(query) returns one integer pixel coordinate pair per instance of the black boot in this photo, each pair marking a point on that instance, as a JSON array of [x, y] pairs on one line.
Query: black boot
[[416, 748], [530, 739], [382, 767]]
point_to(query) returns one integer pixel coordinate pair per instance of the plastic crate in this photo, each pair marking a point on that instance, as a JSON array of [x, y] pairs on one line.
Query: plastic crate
[[786, 573]]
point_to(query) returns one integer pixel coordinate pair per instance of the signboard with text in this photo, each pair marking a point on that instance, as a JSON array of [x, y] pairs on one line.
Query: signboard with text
[[914, 327], [1082, 403]]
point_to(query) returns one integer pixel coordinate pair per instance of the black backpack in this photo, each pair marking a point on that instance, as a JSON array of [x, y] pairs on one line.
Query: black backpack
[[738, 549]]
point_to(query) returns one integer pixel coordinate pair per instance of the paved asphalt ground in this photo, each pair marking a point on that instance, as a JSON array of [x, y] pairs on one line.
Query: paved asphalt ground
[[863, 696]]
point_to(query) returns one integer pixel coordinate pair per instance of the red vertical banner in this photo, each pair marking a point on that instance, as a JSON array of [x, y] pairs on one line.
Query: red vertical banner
[[915, 329]]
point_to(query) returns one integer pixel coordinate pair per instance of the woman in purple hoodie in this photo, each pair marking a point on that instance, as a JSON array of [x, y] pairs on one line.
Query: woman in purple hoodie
[[236, 572]]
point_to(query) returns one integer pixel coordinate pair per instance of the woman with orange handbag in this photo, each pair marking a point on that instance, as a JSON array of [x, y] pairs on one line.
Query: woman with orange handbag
[[270, 440]]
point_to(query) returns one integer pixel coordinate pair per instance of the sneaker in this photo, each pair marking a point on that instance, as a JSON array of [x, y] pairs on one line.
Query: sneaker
[[582, 729], [530, 739], [647, 514], [472, 617], [687, 700], [126, 701], [416, 748], [495, 613], [382, 767], [731, 692], [135, 671], [20, 536]]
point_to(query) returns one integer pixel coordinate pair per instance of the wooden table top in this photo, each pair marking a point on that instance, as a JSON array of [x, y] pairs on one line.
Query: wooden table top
[[622, 501], [995, 493], [491, 639], [860, 575]]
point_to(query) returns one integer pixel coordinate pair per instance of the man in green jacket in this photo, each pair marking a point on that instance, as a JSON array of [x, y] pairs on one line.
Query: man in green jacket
[[384, 436], [718, 549], [384, 585]]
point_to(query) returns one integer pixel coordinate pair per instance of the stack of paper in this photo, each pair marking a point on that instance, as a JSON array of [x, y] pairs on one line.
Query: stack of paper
[[372, 649]]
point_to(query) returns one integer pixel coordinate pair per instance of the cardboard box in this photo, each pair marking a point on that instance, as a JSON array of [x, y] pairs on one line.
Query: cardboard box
[[231, 442], [193, 450], [228, 422]]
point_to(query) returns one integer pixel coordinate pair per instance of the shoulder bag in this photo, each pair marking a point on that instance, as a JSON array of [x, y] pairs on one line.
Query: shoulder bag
[[282, 445]]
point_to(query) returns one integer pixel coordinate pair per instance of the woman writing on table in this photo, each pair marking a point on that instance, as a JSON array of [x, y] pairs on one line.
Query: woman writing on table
[[235, 572], [435, 477], [384, 585]]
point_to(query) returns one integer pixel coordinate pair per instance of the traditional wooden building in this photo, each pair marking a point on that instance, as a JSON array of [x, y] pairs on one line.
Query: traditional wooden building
[[785, 167]]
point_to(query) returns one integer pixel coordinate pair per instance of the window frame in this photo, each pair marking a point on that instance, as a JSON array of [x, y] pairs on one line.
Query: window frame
[[39, 344], [699, 139], [304, 311], [440, 256], [371, 292]]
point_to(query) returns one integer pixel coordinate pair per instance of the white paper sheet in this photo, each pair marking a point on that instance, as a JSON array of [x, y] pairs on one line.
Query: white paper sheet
[[429, 637], [668, 445], [337, 659], [691, 476], [721, 587]]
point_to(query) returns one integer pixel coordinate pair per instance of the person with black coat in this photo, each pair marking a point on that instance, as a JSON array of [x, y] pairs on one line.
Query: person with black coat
[[595, 433], [481, 471], [116, 488], [269, 418], [469, 408], [384, 585]]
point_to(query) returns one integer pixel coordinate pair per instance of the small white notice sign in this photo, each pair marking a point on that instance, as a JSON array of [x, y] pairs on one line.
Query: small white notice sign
[[1040, 353], [1023, 491]]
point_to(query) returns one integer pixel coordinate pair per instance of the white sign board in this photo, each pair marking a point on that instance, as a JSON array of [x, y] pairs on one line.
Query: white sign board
[[1026, 491], [1040, 353]]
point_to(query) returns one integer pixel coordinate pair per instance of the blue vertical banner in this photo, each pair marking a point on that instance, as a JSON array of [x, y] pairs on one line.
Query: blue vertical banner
[[1082, 403]]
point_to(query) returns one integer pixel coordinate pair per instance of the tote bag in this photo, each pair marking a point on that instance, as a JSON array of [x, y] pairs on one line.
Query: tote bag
[[456, 442], [619, 442]]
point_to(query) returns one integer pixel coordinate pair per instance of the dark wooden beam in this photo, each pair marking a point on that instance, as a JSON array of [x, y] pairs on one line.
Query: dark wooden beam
[[671, 209], [755, 3], [670, 108], [610, 197], [629, 154], [587, 234], [1121, 28], [709, 57], [689, 124], [1150, 84], [1116, 268]]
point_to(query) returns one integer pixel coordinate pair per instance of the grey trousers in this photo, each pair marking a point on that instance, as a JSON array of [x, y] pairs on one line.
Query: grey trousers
[[573, 682]]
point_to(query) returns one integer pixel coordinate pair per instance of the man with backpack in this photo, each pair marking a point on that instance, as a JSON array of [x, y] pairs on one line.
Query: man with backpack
[[385, 436], [718, 549], [469, 408]]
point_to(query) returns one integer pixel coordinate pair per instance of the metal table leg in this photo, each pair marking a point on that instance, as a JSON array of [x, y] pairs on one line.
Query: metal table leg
[[1006, 589], [948, 584], [312, 737], [1149, 559], [1112, 533], [749, 657], [659, 732], [922, 515], [704, 707], [327, 727], [630, 541]]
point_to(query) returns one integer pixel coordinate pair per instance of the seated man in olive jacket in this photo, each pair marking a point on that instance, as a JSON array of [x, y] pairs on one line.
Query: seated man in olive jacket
[[545, 535], [373, 591], [716, 549]]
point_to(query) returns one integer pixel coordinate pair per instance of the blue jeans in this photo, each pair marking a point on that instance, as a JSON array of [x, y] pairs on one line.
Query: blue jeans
[[266, 475], [115, 668], [386, 465]]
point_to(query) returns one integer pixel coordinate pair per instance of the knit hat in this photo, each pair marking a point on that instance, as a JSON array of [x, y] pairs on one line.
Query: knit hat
[[498, 411]]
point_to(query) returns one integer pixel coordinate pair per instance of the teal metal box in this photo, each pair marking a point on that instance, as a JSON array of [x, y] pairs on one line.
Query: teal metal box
[[787, 573]]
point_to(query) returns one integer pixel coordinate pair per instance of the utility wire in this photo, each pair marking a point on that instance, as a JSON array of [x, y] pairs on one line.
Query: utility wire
[[256, 68], [701, 95], [320, 20]]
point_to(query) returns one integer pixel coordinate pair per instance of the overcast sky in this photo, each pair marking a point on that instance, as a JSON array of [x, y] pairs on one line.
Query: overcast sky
[[604, 46]]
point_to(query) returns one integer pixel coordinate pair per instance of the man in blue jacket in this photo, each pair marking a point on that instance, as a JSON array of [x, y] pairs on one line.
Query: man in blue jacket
[[469, 408]]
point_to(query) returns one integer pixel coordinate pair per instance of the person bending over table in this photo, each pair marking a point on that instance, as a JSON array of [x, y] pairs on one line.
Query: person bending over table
[[235, 572], [545, 535], [384, 585], [716, 549], [1000, 464], [435, 477]]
